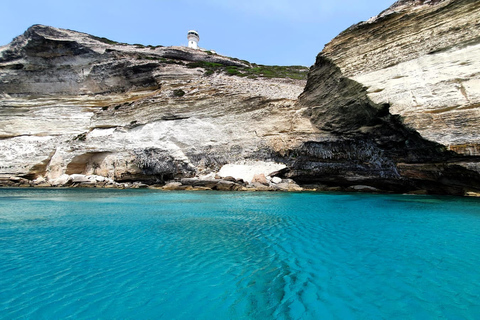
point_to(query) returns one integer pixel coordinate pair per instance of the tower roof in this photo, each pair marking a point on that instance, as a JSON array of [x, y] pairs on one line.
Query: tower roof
[[193, 33]]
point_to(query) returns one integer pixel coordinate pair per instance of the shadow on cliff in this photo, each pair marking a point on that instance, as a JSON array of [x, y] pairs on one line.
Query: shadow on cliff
[[366, 144]]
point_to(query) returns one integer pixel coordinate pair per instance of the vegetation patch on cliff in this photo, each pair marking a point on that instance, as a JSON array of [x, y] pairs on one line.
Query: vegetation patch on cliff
[[253, 71], [113, 42], [107, 41]]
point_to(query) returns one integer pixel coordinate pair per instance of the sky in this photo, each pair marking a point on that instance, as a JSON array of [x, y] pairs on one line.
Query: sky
[[270, 32]]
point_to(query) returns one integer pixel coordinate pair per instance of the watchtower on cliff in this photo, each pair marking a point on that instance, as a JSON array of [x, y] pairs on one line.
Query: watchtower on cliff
[[193, 39]]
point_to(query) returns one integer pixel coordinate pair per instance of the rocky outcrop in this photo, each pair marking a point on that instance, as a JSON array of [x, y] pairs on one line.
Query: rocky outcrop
[[73, 104], [64, 62], [423, 59], [375, 115], [368, 140], [367, 145]]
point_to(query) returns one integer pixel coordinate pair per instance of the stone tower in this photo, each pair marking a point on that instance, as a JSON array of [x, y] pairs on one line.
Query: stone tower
[[193, 39]]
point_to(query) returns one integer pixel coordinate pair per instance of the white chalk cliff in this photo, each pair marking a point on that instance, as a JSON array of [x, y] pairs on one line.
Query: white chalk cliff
[[73, 104], [382, 104], [422, 58]]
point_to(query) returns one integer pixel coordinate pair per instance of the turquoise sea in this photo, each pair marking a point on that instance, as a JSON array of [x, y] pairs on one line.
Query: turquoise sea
[[142, 254]]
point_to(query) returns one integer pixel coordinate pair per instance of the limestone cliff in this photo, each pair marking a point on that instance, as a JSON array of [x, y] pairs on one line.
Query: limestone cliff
[[82, 110], [72, 103], [404, 84], [422, 58]]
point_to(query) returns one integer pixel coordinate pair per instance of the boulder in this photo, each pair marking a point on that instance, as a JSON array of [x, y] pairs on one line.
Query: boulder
[[260, 178], [276, 180]]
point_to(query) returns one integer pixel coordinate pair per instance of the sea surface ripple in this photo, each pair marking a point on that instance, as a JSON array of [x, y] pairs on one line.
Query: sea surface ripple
[[140, 254]]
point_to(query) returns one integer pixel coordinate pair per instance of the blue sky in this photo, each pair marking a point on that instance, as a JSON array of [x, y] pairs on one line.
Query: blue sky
[[273, 32]]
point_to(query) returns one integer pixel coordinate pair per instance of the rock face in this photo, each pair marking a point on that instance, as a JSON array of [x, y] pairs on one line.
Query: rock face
[[376, 114], [364, 143], [72, 103], [356, 95], [422, 58]]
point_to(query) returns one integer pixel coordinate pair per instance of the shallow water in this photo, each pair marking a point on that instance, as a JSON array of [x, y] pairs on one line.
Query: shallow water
[[138, 254]]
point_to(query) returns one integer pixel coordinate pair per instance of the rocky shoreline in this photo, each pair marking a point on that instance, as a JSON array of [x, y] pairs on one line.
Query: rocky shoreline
[[265, 184], [261, 183], [374, 114]]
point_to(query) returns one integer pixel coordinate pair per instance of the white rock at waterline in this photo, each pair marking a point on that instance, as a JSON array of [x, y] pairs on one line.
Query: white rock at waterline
[[247, 171], [62, 180], [276, 180]]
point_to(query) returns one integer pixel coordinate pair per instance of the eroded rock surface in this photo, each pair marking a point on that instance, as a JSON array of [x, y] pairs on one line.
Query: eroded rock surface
[[422, 58], [73, 104], [367, 145], [384, 102], [354, 95]]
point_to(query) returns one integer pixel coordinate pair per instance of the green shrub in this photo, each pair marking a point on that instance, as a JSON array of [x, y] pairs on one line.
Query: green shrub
[[105, 40], [154, 47]]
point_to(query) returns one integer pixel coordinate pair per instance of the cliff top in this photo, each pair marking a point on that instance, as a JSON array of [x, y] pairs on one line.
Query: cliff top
[[405, 5], [398, 7], [47, 42], [405, 31]]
